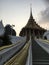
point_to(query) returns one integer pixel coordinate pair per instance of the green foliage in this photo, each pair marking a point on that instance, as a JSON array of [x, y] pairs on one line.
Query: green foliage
[[6, 40], [9, 30]]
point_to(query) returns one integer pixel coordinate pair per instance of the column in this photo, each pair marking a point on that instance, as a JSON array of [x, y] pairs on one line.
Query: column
[[39, 34], [33, 34]]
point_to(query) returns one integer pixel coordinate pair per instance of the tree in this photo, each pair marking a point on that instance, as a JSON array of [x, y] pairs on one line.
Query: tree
[[45, 37], [9, 30]]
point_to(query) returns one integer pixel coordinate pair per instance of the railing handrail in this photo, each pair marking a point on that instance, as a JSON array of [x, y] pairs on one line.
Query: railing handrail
[[29, 58]]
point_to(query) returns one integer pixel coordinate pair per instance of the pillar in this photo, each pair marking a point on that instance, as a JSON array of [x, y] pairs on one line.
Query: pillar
[[39, 34], [33, 34]]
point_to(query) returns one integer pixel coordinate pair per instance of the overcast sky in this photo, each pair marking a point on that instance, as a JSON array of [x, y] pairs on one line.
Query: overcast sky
[[17, 12]]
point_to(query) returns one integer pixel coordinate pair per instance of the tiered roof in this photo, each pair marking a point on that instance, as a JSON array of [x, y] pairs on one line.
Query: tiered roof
[[32, 23]]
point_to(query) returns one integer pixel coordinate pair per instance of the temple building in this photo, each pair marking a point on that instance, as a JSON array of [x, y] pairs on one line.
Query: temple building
[[32, 28]]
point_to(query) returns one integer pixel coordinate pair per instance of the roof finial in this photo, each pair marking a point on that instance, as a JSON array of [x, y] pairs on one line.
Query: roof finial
[[31, 9]]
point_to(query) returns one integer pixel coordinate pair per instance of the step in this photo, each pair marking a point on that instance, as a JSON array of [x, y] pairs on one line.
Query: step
[[41, 62]]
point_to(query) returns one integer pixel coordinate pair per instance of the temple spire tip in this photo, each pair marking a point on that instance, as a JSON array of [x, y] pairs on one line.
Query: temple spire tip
[[30, 10]]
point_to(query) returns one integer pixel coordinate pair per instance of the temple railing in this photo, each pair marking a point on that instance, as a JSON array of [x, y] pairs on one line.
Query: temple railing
[[7, 53], [29, 58]]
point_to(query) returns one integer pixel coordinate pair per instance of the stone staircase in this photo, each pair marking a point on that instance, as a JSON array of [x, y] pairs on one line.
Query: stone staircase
[[39, 55]]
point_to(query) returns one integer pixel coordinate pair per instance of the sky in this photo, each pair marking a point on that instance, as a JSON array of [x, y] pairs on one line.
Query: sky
[[17, 12], [44, 19]]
